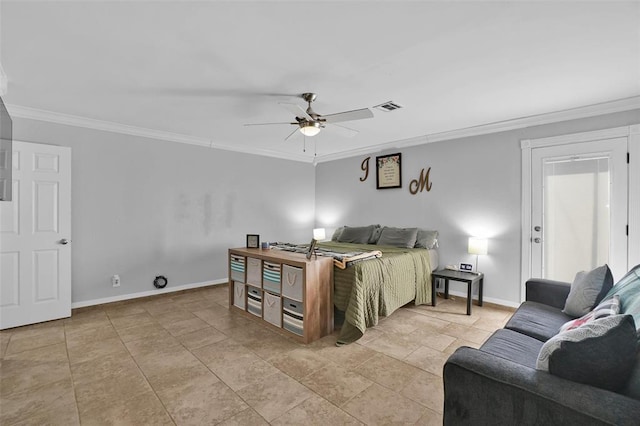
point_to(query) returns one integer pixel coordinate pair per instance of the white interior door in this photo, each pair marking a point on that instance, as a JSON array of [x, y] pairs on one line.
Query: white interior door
[[579, 208], [35, 227]]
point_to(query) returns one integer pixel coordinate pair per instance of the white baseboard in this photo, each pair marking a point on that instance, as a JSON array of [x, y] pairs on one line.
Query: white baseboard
[[122, 297], [501, 302], [165, 290]]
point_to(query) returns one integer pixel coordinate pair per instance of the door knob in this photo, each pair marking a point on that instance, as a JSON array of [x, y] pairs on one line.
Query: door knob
[[537, 228], [64, 241], [537, 240]]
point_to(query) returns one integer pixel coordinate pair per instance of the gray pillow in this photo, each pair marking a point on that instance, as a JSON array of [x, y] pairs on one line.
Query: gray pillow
[[337, 233], [398, 237], [587, 290], [601, 353], [356, 234], [427, 239], [375, 236]]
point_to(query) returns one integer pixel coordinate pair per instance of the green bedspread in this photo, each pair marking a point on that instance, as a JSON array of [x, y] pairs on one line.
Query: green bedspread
[[372, 288]]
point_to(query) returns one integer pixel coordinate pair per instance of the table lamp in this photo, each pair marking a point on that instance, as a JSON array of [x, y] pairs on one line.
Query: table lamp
[[319, 234], [477, 246]]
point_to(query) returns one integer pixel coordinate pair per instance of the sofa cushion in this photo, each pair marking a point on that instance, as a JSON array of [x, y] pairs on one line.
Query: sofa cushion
[[600, 353], [587, 290], [628, 288], [537, 320], [606, 308], [513, 346], [632, 388]]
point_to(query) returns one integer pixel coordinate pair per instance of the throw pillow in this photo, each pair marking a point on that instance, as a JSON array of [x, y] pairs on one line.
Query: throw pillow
[[628, 288], [375, 236], [356, 234], [398, 237], [606, 308], [587, 290], [427, 239], [600, 353]]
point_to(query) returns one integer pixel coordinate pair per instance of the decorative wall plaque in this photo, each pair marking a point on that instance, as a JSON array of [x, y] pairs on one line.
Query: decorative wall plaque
[[389, 171]]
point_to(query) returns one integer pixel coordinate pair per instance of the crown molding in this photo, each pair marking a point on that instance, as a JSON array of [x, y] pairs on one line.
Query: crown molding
[[603, 108], [402, 143], [266, 153], [107, 126]]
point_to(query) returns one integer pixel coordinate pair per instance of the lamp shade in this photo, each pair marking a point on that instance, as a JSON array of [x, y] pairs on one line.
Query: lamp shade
[[319, 234], [477, 245]]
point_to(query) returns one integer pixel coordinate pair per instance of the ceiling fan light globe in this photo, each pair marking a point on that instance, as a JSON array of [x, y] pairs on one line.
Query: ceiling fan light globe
[[310, 129]]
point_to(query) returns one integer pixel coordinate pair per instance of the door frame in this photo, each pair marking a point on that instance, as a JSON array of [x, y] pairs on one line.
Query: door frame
[[632, 133]]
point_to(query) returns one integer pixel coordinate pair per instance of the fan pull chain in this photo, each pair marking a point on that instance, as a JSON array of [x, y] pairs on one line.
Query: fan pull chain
[[304, 143]]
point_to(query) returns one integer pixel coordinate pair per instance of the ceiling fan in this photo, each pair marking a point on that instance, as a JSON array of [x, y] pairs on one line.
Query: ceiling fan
[[309, 122]]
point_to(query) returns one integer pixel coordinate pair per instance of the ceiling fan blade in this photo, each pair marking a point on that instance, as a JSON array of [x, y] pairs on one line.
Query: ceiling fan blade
[[208, 92], [291, 134], [267, 124], [341, 130], [356, 114], [296, 110]]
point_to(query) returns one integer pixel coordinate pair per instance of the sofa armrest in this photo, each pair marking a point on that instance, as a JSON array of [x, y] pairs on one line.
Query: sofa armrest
[[481, 388], [548, 292]]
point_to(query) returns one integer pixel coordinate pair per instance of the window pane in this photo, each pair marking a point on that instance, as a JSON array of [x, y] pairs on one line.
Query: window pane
[[575, 216]]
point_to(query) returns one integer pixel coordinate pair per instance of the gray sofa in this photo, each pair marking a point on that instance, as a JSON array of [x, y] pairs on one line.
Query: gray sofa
[[499, 383]]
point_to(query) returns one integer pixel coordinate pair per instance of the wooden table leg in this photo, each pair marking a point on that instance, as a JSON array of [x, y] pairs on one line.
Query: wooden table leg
[[480, 291], [446, 288]]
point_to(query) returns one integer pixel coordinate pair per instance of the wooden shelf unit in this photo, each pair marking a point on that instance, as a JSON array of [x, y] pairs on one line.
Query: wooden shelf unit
[[289, 292]]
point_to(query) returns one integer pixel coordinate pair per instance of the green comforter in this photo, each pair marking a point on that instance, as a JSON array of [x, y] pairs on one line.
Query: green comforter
[[371, 288]]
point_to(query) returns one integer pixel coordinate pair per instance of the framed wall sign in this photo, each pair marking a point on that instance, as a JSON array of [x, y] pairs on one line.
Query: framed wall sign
[[389, 171], [253, 241]]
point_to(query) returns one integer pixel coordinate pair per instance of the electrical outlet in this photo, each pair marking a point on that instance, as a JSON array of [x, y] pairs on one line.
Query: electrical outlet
[[115, 280]]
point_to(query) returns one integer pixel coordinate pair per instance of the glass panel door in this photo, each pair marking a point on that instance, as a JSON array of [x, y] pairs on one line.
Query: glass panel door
[[579, 208]]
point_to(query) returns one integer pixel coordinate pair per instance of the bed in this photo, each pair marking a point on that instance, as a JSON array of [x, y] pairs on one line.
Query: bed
[[377, 269], [364, 290], [370, 288]]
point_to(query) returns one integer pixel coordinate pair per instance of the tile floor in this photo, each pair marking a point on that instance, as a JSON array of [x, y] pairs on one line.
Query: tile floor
[[184, 358]]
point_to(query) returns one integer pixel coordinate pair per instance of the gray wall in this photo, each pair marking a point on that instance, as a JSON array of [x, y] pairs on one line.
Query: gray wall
[[476, 190], [143, 207]]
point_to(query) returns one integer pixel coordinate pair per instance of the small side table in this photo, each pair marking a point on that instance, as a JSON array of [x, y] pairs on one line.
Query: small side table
[[466, 277]]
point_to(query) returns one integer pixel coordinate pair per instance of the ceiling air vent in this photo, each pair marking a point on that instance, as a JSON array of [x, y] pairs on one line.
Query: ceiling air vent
[[388, 106]]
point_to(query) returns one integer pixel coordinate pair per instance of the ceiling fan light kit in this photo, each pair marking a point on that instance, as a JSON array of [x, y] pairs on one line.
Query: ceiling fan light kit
[[310, 128]]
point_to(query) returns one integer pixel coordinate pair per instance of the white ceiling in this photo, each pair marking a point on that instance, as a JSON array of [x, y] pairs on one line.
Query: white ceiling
[[204, 69]]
